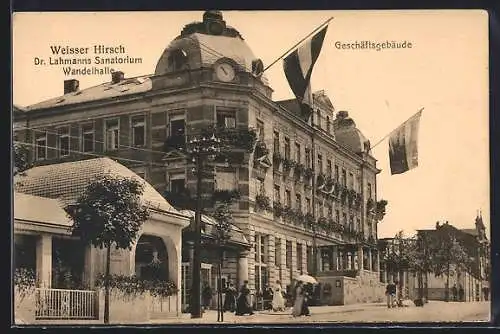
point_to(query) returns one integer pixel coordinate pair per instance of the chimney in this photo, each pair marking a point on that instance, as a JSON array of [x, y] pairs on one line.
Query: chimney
[[117, 76], [71, 86]]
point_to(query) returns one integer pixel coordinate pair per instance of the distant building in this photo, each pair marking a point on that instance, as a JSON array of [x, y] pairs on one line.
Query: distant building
[[309, 185], [475, 281]]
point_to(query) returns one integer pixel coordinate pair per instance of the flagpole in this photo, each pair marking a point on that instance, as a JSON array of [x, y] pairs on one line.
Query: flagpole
[[387, 135], [293, 47]]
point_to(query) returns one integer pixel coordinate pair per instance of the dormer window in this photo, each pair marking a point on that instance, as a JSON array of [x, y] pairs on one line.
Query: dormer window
[[177, 60]]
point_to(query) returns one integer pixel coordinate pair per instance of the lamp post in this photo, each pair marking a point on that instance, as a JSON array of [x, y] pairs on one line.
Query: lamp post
[[199, 149]]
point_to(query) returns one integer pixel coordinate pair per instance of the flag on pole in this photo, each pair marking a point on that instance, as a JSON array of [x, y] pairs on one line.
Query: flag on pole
[[403, 145], [298, 67]]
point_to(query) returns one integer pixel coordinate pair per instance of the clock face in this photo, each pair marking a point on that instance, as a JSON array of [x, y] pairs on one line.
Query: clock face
[[225, 72]]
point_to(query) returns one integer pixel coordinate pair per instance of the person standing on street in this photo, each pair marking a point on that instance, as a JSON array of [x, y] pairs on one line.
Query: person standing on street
[[278, 303], [230, 298], [242, 303], [390, 292]]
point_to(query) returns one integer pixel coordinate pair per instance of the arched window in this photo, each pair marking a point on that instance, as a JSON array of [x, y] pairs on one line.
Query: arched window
[[328, 124], [177, 60]]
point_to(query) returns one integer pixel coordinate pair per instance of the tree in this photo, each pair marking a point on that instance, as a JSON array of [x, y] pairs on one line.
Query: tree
[[448, 252], [422, 262], [399, 255], [223, 217], [21, 161], [109, 212]]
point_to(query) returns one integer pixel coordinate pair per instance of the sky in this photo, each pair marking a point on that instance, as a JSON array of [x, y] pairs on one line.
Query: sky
[[445, 72]]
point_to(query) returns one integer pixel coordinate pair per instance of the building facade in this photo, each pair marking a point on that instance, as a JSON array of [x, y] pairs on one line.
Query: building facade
[[465, 282], [308, 193]]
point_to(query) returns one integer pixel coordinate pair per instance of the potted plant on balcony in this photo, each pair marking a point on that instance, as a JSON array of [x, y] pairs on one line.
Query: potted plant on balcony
[[263, 202], [308, 173], [288, 164], [278, 209], [320, 181], [298, 171], [309, 220]]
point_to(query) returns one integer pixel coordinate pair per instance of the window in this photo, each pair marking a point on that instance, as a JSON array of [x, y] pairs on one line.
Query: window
[[288, 258], [261, 256], [308, 158], [41, 146], [308, 205], [177, 60], [329, 168], [263, 249], [112, 135], [318, 118], [277, 252], [344, 219], [320, 163], [298, 202], [299, 257], [337, 216], [358, 224], [177, 125], [351, 222], [260, 130], [369, 190], [139, 131], [328, 124], [226, 180], [336, 173], [344, 177], [88, 138], [351, 181], [288, 198], [276, 142], [309, 259], [64, 142], [330, 211], [177, 185], [297, 153], [277, 196], [287, 148], [226, 119]]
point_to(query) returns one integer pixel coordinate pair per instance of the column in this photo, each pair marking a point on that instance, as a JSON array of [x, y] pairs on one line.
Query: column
[[242, 267], [360, 258], [384, 276], [335, 258], [370, 260], [377, 264], [44, 260], [271, 251]]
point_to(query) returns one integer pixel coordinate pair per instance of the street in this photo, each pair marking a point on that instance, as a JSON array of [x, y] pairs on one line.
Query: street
[[434, 311]]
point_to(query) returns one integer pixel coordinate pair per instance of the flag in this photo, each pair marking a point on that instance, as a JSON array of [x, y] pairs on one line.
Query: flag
[[403, 145], [298, 67]]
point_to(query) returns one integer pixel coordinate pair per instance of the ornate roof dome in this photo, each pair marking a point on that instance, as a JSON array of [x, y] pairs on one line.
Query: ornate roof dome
[[202, 44], [66, 181], [348, 135]]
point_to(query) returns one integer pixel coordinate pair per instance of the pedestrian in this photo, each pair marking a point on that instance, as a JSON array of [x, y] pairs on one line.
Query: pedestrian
[[299, 294], [390, 292], [454, 292], [461, 293], [308, 291], [242, 304], [278, 303], [206, 295], [230, 298]]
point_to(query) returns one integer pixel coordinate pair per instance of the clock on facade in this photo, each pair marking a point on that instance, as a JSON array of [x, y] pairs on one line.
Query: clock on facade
[[224, 72]]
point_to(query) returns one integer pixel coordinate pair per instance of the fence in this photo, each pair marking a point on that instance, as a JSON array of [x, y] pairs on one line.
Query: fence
[[66, 304]]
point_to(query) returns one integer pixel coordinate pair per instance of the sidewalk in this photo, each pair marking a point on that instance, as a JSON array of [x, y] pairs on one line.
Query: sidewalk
[[210, 316]]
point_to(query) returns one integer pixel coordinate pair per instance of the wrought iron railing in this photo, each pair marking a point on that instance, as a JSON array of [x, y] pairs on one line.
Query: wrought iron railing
[[66, 304]]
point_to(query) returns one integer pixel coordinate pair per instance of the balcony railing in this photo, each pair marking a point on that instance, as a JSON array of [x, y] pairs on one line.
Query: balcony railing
[[66, 304]]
